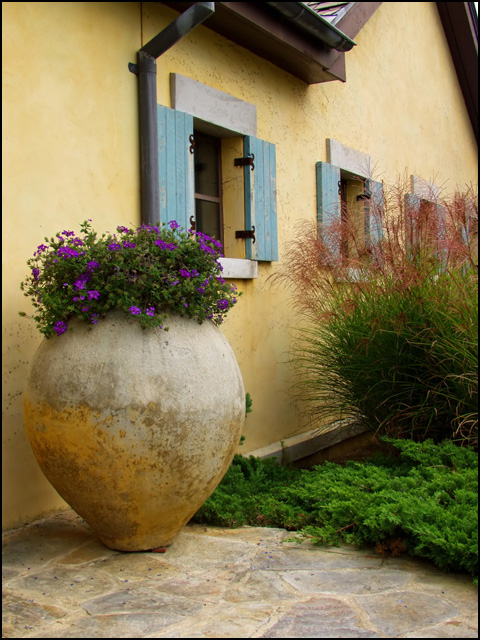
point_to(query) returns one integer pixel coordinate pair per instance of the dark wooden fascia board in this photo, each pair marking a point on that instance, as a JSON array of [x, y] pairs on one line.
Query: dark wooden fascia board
[[350, 24], [356, 18], [462, 40]]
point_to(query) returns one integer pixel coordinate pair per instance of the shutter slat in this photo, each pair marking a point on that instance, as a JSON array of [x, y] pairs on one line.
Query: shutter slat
[[260, 200], [374, 209], [328, 199], [412, 202], [176, 169]]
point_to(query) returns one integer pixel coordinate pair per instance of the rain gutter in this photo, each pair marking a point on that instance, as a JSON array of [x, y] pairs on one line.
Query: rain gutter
[[146, 69], [314, 24]]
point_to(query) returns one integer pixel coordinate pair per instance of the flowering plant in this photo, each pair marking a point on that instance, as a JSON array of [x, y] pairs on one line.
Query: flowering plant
[[148, 273]]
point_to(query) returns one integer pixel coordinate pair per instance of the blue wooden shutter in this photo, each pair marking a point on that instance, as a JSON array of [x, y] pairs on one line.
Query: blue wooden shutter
[[260, 186], [412, 202], [374, 211], [328, 198], [441, 212], [176, 168]]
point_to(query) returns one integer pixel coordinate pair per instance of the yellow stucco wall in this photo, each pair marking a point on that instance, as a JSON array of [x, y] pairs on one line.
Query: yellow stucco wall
[[71, 153]]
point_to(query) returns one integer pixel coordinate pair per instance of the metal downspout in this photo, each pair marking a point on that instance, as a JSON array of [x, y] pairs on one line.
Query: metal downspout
[[147, 98]]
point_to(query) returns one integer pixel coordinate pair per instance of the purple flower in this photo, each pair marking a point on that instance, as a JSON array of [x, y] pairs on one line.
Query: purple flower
[[67, 252], [42, 248], [164, 245], [206, 248], [92, 265], [222, 304], [184, 273], [123, 230], [128, 245], [93, 295], [93, 318], [35, 273], [59, 328], [150, 311], [173, 224], [79, 284], [135, 311], [114, 246], [149, 228], [68, 233]]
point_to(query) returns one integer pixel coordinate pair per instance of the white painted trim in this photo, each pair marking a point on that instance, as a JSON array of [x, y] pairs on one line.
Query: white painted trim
[[306, 444], [229, 115], [424, 189], [238, 268], [348, 159]]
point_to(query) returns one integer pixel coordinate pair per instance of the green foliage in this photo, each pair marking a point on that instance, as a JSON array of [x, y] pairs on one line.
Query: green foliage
[[424, 495], [148, 273], [404, 359], [248, 493], [248, 403], [388, 327]]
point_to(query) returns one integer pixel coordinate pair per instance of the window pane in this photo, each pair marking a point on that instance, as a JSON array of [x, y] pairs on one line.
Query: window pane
[[206, 167], [208, 218]]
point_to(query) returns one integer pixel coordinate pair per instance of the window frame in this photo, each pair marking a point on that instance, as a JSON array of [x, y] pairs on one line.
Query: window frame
[[198, 135]]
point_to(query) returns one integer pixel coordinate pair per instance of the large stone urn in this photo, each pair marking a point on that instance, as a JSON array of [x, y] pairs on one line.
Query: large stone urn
[[135, 428]]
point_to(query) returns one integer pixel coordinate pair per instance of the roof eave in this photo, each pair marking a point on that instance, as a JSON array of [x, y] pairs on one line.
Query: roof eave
[[262, 30], [460, 24]]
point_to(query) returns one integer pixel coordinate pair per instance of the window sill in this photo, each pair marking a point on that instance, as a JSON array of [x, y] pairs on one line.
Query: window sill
[[237, 268]]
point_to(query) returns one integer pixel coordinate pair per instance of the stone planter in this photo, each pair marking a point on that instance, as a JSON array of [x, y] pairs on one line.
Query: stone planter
[[135, 428]]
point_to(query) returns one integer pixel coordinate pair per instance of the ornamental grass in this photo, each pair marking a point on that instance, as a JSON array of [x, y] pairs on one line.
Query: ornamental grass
[[388, 327]]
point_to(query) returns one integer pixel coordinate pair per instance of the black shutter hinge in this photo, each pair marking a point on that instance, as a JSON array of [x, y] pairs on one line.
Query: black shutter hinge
[[246, 234], [244, 162], [133, 68], [366, 195]]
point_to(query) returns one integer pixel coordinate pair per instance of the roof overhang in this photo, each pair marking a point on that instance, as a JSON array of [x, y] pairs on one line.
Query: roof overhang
[[290, 45], [460, 23], [270, 33]]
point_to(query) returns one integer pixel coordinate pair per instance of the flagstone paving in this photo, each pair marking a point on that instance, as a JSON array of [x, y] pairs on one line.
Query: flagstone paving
[[59, 581]]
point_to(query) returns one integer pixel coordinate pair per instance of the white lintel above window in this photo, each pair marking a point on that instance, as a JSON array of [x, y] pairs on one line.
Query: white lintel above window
[[348, 159], [424, 189], [220, 113]]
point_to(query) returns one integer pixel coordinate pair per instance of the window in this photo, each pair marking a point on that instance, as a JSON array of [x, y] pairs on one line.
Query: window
[[351, 202], [191, 167], [353, 210], [208, 186]]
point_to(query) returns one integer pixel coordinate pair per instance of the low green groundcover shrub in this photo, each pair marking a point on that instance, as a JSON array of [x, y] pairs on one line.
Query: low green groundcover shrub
[[421, 498]]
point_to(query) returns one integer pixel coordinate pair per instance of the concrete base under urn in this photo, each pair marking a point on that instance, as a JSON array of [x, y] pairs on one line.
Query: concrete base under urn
[[135, 428]]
